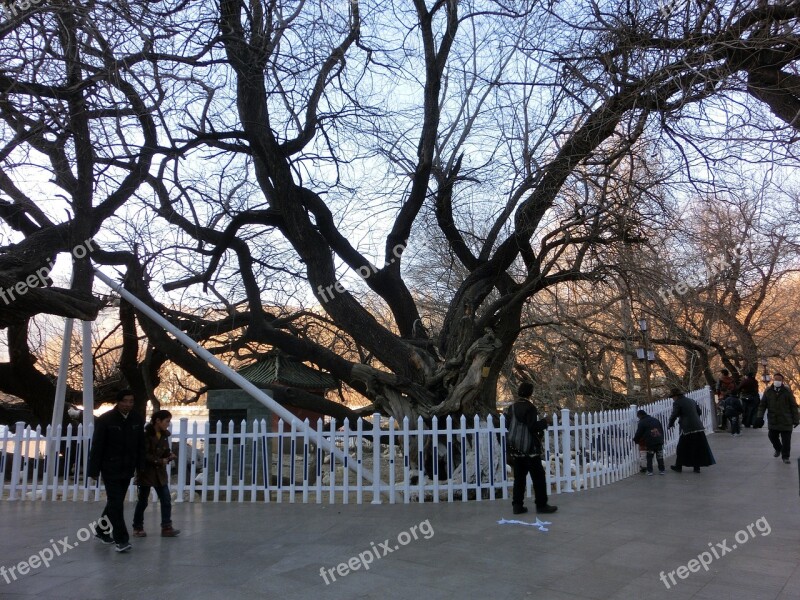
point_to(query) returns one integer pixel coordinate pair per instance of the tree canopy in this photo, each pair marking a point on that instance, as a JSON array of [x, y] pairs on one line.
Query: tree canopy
[[409, 195]]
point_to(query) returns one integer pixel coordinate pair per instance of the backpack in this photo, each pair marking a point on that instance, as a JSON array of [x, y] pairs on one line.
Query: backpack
[[654, 436], [519, 438], [733, 407]]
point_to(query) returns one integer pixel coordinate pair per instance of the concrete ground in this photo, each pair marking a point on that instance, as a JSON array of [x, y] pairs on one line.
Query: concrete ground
[[612, 542]]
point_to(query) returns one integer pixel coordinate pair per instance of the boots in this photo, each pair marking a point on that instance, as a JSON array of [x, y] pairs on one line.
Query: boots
[[168, 531]]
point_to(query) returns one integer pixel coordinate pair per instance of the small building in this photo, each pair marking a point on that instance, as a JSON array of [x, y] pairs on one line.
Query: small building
[[224, 406], [275, 369]]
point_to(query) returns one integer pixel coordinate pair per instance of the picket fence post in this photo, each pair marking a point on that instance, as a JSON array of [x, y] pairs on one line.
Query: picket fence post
[[17, 461], [566, 455], [182, 430]]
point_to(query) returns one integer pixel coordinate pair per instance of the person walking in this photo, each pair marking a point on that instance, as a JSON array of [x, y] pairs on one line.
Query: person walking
[[782, 416], [117, 452], [650, 432], [748, 392], [725, 386], [693, 449], [157, 455], [527, 460]]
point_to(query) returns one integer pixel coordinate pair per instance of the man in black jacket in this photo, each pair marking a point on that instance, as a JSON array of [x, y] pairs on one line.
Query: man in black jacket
[[117, 451], [529, 461]]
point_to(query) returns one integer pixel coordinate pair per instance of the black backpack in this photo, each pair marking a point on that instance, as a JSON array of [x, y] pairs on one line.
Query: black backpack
[[654, 436], [519, 437]]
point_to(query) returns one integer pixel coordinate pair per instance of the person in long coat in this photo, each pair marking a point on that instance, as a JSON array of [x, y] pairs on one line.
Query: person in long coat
[[693, 449]]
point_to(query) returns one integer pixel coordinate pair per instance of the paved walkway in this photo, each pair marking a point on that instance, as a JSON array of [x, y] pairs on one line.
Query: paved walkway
[[611, 542]]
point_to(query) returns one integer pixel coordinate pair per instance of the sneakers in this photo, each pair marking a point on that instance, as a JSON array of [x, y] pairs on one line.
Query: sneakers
[[124, 547], [139, 532], [662, 472], [786, 460], [168, 531], [546, 509], [518, 510], [649, 473], [777, 453], [104, 537]]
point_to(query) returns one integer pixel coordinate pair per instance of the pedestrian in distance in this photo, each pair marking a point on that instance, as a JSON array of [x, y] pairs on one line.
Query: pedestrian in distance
[[693, 449], [525, 450], [725, 386], [732, 409], [748, 392], [157, 455], [650, 432], [117, 452], [782, 416]]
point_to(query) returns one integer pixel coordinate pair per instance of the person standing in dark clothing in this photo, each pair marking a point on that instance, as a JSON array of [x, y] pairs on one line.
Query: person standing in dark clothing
[[117, 451], [693, 449], [530, 460], [725, 386], [651, 432], [748, 391], [782, 416]]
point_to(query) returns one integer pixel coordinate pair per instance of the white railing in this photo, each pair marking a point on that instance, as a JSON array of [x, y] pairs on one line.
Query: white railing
[[253, 464]]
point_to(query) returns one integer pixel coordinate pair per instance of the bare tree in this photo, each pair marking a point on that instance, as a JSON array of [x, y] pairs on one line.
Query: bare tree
[[249, 155]]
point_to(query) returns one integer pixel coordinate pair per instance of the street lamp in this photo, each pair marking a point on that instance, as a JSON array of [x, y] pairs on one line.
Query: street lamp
[[764, 373], [647, 355]]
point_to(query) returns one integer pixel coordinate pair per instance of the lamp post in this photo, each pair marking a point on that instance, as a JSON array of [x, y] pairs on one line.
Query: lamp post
[[647, 355], [764, 373]]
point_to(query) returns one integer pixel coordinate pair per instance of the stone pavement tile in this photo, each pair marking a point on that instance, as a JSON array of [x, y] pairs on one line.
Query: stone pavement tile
[[758, 567], [89, 588], [586, 588], [717, 590], [594, 580], [593, 546], [636, 553], [734, 575], [35, 584], [652, 588]]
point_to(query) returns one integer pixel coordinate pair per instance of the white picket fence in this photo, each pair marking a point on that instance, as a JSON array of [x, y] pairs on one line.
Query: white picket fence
[[253, 464]]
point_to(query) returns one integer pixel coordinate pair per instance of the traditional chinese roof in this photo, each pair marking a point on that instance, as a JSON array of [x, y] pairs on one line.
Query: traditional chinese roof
[[277, 368]]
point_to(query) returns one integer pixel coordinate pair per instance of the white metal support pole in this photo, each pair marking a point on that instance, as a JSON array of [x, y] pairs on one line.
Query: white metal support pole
[[61, 384], [88, 376], [88, 390], [58, 405], [230, 373]]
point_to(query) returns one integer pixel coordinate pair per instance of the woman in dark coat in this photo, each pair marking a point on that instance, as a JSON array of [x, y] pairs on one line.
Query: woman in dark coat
[[157, 455], [693, 449]]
